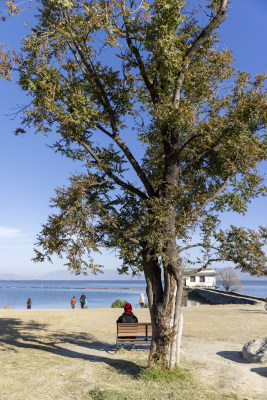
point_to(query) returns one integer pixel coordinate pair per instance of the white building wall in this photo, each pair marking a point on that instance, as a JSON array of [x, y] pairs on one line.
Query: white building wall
[[210, 281]]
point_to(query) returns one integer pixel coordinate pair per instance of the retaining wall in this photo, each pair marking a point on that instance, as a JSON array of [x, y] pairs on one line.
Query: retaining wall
[[220, 297]]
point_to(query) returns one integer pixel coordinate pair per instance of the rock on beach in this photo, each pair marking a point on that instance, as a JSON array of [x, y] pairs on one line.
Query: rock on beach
[[255, 351]]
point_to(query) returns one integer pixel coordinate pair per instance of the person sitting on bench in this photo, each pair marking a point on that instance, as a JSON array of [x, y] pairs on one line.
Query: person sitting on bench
[[128, 315]]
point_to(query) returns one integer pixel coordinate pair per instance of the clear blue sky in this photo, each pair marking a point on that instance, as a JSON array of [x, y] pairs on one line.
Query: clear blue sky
[[30, 171]]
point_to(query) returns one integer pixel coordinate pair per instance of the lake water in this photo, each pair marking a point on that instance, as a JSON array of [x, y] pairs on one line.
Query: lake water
[[57, 294], [100, 294]]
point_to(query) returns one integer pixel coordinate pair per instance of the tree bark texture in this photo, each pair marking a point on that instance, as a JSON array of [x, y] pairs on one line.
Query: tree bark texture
[[165, 310]]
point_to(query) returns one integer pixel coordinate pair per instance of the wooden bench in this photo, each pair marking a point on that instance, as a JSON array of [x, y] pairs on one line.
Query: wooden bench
[[133, 333]]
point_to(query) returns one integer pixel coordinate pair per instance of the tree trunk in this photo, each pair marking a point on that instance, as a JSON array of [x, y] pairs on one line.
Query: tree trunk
[[165, 310], [165, 303]]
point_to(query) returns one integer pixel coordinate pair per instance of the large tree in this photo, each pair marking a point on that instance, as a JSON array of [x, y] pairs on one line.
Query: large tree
[[169, 132]]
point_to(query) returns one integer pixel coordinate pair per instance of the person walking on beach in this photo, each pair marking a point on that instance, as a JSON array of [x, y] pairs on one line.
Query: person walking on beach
[[142, 301], [128, 315], [73, 302], [29, 303], [83, 300]]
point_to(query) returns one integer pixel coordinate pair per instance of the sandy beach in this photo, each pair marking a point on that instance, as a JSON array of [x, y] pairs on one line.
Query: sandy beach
[[68, 354]]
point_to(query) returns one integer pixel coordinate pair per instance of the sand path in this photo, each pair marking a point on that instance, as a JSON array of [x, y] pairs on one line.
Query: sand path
[[218, 360], [222, 360]]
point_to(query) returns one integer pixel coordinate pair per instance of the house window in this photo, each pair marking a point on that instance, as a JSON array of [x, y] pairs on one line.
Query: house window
[[192, 279], [202, 278]]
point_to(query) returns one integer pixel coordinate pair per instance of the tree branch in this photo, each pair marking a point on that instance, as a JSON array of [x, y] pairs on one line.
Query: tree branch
[[138, 58], [214, 196], [125, 235], [213, 24], [200, 157], [135, 165], [108, 171], [189, 247], [115, 135], [92, 73], [187, 142], [195, 270]]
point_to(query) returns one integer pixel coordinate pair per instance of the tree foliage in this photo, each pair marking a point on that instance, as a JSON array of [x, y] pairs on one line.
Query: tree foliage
[[170, 134]]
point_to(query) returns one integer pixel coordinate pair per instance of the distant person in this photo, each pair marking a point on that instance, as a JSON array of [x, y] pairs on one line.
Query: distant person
[[128, 315], [142, 301], [29, 303], [83, 300], [73, 302]]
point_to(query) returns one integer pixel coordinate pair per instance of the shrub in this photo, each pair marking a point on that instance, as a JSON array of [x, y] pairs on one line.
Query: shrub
[[118, 303]]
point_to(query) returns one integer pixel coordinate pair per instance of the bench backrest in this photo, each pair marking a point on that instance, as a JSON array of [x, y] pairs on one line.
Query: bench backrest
[[140, 329]]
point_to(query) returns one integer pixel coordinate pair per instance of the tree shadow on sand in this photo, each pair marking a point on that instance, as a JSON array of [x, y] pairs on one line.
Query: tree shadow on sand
[[16, 333], [253, 311], [235, 356], [262, 371]]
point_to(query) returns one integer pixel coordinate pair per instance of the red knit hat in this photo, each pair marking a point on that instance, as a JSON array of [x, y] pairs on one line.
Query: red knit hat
[[128, 308]]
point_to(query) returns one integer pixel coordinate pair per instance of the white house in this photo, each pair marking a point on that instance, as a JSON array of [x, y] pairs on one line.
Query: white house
[[205, 278]]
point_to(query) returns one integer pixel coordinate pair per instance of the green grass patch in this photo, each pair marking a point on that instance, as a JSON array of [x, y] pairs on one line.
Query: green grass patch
[[15, 364], [123, 381], [100, 394], [177, 375]]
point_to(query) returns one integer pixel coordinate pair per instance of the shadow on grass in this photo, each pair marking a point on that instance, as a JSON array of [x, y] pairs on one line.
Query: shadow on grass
[[16, 333]]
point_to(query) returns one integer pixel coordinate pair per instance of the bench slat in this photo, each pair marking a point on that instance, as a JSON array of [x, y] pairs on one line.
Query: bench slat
[[132, 331], [140, 332], [135, 340]]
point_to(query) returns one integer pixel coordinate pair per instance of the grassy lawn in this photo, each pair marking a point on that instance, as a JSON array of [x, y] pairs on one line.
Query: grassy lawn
[[67, 354]]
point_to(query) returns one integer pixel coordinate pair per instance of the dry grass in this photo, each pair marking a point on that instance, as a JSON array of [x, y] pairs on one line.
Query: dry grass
[[61, 354], [232, 323]]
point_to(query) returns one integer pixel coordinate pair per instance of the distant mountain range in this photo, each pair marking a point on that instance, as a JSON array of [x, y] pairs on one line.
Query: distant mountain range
[[108, 274], [9, 277], [61, 275]]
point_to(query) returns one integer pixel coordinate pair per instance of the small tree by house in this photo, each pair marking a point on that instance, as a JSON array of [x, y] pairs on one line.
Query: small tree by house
[[228, 278]]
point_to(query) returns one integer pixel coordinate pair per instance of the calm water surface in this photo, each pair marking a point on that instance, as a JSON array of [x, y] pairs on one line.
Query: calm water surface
[[100, 294], [57, 294]]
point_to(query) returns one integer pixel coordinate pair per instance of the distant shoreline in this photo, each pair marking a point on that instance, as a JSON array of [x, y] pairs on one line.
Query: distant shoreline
[[253, 279]]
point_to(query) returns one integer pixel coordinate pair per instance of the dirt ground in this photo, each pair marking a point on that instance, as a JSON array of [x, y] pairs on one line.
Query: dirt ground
[[37, 346], [215, 339]]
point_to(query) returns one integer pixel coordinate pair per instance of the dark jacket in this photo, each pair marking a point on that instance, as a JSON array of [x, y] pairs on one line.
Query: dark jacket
[[127, 317], [83, 298]]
